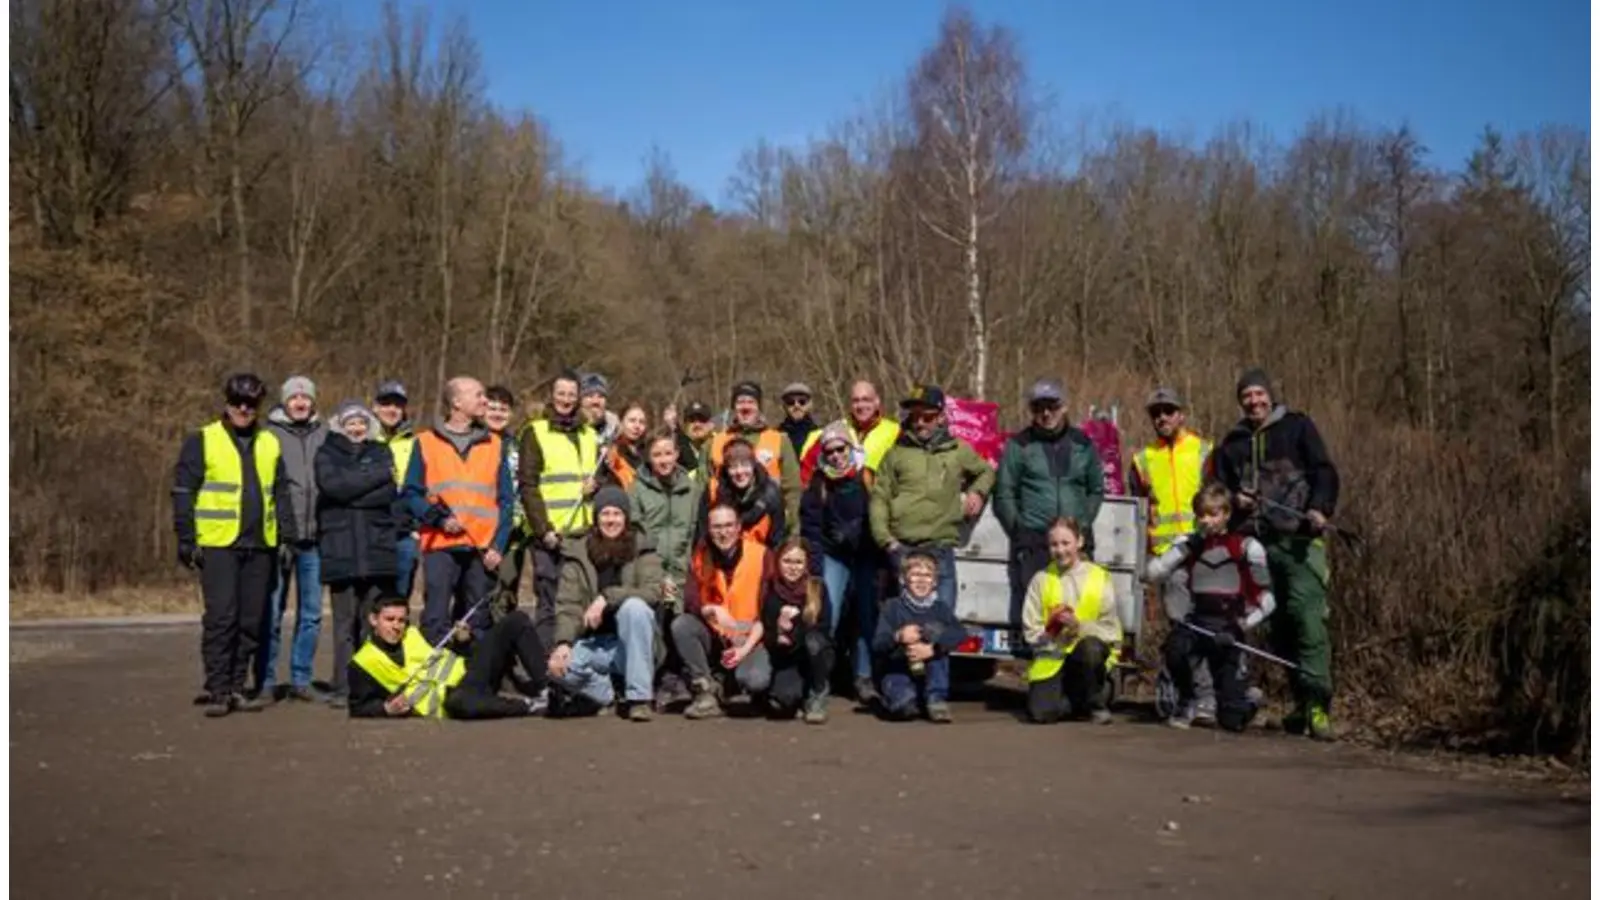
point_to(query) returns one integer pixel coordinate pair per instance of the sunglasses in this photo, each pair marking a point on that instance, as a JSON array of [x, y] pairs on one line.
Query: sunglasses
[[796, 401], [836, 450], [1044, 406], [1161, 412], [926, 415]]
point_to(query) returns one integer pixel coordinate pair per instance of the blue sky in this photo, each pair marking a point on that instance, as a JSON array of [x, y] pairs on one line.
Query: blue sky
[[705, 79]]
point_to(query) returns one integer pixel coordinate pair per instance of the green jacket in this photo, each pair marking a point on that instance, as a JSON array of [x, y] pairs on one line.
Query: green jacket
[[1041, 480], [667, 515], [640, 578], [916, 496]]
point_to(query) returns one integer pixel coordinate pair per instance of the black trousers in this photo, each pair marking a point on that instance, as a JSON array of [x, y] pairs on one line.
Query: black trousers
[[801, 671], [512, 639], [235, 584], [353, 601], [453, 580], [1079, 688], [1183, 646], [546, 580]]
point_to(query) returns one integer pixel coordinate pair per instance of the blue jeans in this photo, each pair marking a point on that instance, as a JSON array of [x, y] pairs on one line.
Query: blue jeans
[[861, 576], [900, 687], [629, 653], [947, 572], [306, 569], [405, 556]]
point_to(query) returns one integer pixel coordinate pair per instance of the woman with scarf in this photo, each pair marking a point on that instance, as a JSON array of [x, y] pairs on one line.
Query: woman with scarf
[[356, 531], [834, 522], [625, 460], [750, 490], [794, 621]]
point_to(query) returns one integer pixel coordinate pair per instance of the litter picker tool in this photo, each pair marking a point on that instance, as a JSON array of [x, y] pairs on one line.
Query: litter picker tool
[[1350, 537], [1253, 651]]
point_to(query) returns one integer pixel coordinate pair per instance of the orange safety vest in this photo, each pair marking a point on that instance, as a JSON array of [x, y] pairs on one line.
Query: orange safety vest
[[739, 595], [768, 447], [760, 531], [620, 467], [469, 486]]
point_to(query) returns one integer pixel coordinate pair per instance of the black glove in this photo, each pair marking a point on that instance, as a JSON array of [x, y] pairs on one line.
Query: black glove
[[190, 557]]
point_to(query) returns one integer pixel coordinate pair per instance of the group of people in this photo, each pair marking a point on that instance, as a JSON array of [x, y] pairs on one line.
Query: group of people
[[681, 565]]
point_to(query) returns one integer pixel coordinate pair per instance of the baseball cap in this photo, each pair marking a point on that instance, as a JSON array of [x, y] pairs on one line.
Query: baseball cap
[[924, 395], [697, 412], [390, 388], [1046, 390], [1164, 396]]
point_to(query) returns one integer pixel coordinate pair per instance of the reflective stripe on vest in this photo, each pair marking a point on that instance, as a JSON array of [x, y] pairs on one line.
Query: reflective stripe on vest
[[1174, 473], [221, 499], [768, 446], [435, 675], [1047, 661], [469, 486], [739, 595], [561, 480]]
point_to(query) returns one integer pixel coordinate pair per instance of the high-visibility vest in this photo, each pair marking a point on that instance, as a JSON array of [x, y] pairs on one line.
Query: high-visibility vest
[[561, 480], [435, 675], [875, 444], [1174, 472], [740, 595], [469, 486], [621, 468], [1047, 661], [758, 532], [768, 447], [218, 505], [400, 446]]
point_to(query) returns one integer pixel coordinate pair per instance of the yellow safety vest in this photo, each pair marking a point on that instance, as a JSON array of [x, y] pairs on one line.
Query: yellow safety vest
[[1174, 473], [434, 674], [217, 506], [1047, 661], [401, 446], [561, 479], [877, 442]]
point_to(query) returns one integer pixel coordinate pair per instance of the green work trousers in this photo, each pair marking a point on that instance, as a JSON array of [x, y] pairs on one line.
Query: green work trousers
[[1299, 624]]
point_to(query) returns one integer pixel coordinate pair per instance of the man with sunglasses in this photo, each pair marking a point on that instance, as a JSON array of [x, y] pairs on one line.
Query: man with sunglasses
[[798, 425], [231, 510], [928, 482], [1048, 471]]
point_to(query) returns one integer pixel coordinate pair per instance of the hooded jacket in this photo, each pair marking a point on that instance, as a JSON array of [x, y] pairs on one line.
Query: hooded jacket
[[1284, 460], [356, 506], [667, 516], [916, 497], [580, 585], [299, 442]]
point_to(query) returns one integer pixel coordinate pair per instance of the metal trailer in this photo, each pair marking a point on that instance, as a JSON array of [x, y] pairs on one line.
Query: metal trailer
[[983, 591]]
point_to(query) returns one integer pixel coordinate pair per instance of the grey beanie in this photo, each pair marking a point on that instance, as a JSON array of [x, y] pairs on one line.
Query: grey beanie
[[1253, 377], [611, 496], [299, 384]]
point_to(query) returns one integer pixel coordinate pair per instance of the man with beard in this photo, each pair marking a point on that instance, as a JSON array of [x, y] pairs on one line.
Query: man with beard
[[928, 482], [606, 622], [798, 425], [1048, 471], [1285, 488], [556, 461]]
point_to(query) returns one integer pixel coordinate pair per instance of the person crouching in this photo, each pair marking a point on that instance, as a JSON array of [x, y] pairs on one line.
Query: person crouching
[[795, 619], [915, 635], [396, 673], [1069, 618], [722, 614]]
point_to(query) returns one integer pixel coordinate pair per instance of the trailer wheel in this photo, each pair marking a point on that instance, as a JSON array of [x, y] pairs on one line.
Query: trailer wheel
[[1166, 695]]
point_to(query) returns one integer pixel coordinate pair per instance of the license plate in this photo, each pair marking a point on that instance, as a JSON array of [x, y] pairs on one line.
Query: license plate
[[996, 640]]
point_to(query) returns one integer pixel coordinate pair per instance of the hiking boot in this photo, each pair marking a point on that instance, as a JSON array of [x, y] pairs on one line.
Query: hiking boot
[[706, 704], [338, 701], [301, 693], [673, 690], [1100, 716], [640, 712], [1321, 727], [866, 693], [216, 707], [241, 703], [817, 711], [1205, 713], [939, 712], [1295, 722]]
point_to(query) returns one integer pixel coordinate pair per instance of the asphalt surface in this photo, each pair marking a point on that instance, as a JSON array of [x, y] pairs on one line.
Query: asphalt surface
[[120, 788]]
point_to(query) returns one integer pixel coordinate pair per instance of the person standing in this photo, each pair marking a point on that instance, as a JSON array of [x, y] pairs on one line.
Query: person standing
[[798, 425], [389, 403], [556, 461], [457, 486], [300, 433], [1285, 488], [231, 508], [871, 431]]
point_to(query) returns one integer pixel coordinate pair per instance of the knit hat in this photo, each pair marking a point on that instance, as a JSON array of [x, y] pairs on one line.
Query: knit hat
[[299, 384], [1253, 377], [747, 389], [355, 409], [608, 497], [593, 383], [836, 434]]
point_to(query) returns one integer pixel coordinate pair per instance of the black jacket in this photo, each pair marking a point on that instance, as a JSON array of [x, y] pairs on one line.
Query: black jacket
[[834, 519], [772, 603], [1286, 461], [356, 522], [762, 499]]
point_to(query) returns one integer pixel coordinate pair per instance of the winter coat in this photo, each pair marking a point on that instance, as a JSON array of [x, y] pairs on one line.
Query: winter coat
[[1044, 477], [1286, 461], [667, 515], [916, 497], [356, 530], [579, 586], [299, 442], [834, 519]]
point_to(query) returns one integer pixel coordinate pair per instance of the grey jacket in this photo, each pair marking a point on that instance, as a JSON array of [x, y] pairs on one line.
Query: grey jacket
[[300, 442]]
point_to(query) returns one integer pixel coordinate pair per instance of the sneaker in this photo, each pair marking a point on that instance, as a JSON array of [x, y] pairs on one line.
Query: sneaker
[[1321, 727], [241, 703], [939, 711], [817, 711], [1183, 718], [217, 707], [640, 712], [1100, 716], [538, 704], [1205, 713], [866, 692]]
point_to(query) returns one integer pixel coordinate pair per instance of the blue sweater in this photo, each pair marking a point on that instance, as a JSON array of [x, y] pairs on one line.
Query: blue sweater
[[938, 622]]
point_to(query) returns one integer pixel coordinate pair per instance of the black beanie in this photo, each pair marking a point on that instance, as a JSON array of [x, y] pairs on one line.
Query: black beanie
[[1253, 377], [747, 389], [609, 497]]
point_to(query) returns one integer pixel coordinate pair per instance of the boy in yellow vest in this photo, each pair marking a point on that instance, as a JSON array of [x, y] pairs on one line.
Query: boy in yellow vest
[[1069, 618]]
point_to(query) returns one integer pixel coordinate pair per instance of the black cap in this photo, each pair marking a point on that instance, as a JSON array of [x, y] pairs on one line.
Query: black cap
[[246, 389], [390, 388], [929, 395], [747, 389], [697, 411]]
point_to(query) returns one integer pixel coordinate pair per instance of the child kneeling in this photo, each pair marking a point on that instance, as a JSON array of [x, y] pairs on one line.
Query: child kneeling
[[1230, 594], [915, 636], [1069, 618]]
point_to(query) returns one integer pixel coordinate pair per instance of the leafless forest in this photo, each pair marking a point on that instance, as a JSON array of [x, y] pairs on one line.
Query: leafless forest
[[199, 186]]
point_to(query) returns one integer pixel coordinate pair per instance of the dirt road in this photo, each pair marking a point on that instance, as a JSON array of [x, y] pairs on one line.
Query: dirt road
[[120, 788]]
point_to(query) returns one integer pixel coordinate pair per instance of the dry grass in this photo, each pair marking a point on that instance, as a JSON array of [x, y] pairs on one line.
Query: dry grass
[[34, 605]]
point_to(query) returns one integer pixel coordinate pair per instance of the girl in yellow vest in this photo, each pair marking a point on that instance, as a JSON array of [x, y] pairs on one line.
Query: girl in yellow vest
[[1069, 618]]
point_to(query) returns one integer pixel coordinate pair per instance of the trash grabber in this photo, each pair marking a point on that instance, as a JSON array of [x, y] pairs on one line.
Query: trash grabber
[[438, 648], [1353, 538], [1242, 646]]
